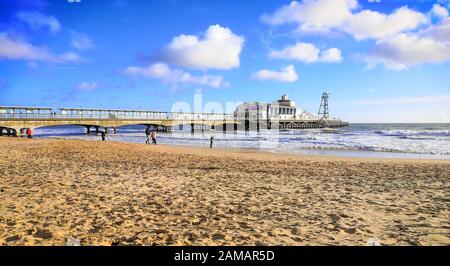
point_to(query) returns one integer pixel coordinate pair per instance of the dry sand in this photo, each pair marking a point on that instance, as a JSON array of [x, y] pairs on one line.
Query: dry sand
[[135, 194]]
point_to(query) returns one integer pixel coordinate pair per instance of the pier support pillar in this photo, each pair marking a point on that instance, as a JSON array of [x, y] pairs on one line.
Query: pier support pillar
[[192, 128], [11, 132], [180, 127], [96, 129], [88, 129], [114, 130]]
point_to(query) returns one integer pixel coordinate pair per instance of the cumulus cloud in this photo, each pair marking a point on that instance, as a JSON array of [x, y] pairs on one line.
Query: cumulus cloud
[[404, 50], [13, 49], [402, 38], [308, 53], [285, 74], [81, 41], [370, 24], [219, 48], [439, 32], [86, 86], [439, 11], [37, 20], [325, 15], [167, 75], [313, 15]]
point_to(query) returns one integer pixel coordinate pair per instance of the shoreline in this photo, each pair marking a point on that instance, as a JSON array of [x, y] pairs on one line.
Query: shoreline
[[115, 193], [313, 154]]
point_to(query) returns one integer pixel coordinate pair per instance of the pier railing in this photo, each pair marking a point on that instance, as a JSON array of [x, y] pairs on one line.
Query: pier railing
[[108, 115]]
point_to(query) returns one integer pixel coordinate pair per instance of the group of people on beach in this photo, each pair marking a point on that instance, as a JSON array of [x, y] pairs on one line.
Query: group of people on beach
[[150, 134]]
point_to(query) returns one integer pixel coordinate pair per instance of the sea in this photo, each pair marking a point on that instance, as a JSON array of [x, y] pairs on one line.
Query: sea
[[408, 141]]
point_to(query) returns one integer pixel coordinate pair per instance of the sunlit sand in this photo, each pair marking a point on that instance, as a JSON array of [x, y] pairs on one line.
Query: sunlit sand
[[111, 193]]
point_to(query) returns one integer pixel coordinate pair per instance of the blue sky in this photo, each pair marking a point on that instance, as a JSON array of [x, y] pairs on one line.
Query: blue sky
[[382, 61]]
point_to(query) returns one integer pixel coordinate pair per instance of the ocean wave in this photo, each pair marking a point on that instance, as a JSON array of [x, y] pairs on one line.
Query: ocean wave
[[436, 134], [413, 141]]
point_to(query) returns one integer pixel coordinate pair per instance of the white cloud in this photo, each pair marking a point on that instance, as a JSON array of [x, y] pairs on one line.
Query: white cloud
[[219, 48], [167, 75], [439, 11], [21, 50], [81, 41], [402, 51], [325, 15], [286, 74], [38, 20], [86, 86], [331, 55], [439, 32], [400, 40], [308, 53], [313, 15], [370, 24]]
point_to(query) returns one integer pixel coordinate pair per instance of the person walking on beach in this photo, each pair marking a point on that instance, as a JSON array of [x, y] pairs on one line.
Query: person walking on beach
[[211, 139], [103, 135], [147, 134], [29, 133], [153, 137]]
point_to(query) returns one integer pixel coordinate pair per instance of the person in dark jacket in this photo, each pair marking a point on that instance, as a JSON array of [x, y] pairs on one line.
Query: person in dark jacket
[[103, 136], [147, 134]]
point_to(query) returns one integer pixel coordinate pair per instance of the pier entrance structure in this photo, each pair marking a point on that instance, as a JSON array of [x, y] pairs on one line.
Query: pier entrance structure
[[284, 114], [15, 120]]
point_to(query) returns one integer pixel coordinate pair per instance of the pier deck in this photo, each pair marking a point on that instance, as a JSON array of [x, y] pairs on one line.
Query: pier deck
[[13, 120]]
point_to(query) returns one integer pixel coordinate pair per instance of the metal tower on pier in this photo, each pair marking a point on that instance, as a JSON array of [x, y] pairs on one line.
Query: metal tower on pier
[[323, 109]]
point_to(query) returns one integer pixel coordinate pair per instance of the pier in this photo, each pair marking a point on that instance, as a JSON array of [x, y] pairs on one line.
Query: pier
[[14, 120]]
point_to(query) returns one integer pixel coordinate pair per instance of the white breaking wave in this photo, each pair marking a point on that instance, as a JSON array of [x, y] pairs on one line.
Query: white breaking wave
[[375, 138]]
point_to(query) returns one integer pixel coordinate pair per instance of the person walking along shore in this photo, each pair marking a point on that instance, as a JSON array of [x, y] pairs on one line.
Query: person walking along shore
[[147, 134], [29, 133], [153, 137]]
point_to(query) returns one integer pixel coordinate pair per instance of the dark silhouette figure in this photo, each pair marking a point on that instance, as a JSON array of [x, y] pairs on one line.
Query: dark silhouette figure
[[147, 134], [103, 135], [211, 140], [153, 137]]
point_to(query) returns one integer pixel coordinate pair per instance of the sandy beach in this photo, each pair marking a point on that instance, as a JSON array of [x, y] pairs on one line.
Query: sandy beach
[[111, 193]]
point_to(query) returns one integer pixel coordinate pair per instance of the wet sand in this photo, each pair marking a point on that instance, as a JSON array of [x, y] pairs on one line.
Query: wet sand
[[114, 193]]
